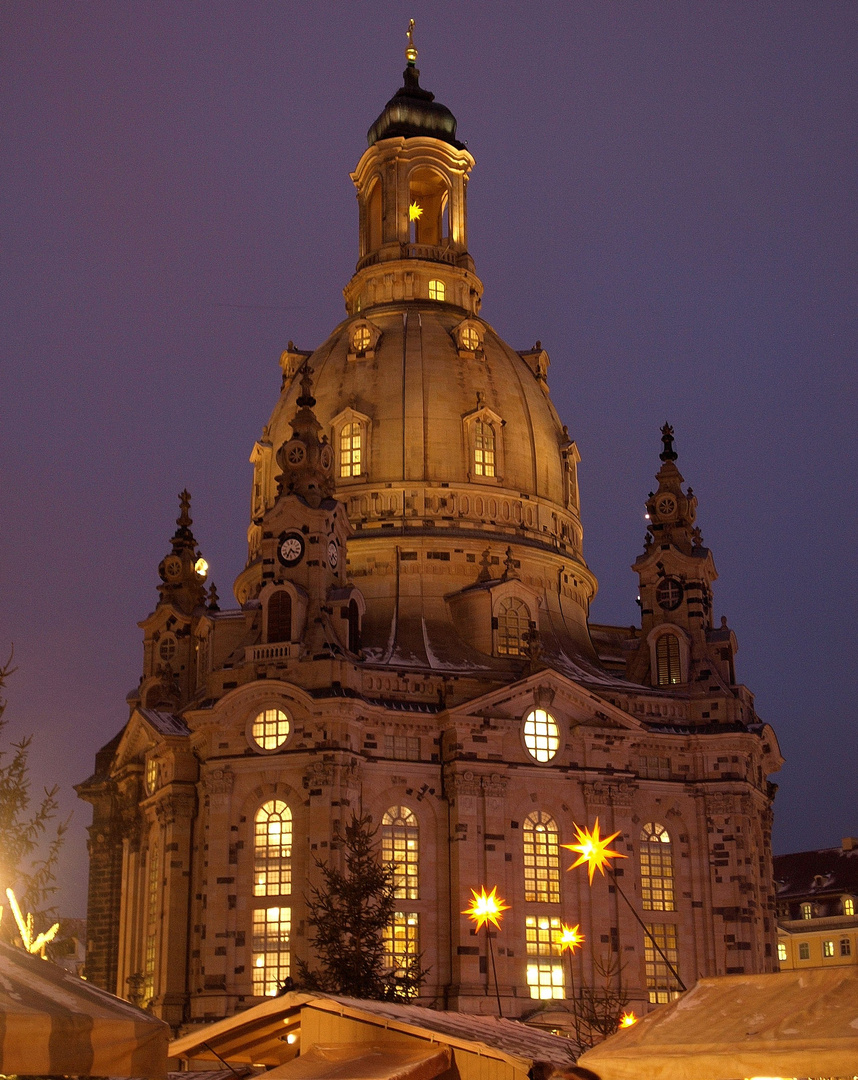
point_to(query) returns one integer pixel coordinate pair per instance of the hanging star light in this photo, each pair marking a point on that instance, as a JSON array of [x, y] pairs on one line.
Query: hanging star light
[[628, 1019], [593, 850], [415, 212], [570, 938], [486, 907]]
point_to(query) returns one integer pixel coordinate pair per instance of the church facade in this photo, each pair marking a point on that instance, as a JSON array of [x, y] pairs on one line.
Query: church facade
[[411, 640]]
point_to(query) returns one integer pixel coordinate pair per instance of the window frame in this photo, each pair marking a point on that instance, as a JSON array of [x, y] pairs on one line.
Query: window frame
[[655, 853]]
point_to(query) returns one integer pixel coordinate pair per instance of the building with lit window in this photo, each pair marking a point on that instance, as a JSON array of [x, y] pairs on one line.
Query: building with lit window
[[817, 894], [410, 635]]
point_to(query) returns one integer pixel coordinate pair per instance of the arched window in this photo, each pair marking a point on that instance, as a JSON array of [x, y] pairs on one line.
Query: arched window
[[351, 449], [667, 660], [513, 624], [280, 616], [400, 845], [484, 448], [541, 858], [354, 626], [374, 217], [656, 866], [272, 849], [437, 289]]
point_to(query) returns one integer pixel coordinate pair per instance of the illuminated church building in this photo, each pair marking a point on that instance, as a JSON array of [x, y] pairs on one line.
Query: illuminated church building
[[411, 638]]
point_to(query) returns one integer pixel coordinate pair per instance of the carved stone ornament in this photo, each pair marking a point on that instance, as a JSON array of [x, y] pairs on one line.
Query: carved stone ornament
[[606, 794], [543, 696], [175, 807], [464, 783], [722, 804], [494, 786], [319, 774], [219, 781]]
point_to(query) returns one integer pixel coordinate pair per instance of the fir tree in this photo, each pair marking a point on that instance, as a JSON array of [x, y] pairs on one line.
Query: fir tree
[[350, 913], [29, 841]]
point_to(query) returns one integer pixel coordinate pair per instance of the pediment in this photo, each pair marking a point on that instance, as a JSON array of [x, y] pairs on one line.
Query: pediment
[[555, 692], [144, 730]]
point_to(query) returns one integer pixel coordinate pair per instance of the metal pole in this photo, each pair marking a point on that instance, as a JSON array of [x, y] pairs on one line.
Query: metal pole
[[494, 970], [655, 944]]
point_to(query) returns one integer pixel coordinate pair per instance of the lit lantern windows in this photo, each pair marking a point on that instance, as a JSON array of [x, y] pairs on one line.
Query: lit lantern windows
[[656, 868], [541, 735], [270, 729]]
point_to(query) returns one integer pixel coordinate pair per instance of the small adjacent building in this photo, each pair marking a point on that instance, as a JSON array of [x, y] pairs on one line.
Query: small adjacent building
[[817, 898]]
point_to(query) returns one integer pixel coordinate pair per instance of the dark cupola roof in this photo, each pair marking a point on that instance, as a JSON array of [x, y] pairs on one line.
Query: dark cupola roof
[[413, 111]]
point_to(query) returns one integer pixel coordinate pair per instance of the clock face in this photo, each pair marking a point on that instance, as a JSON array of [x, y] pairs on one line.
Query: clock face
[[333, 555], [290, 549], [666, 505], [326, 458], [172, 567]]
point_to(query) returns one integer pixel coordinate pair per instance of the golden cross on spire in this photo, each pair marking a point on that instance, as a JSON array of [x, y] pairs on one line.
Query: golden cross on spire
[[410, 52]]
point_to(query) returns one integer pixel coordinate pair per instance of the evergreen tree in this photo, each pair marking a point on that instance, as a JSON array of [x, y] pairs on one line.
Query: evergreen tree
[[29, 841], [351, 913]]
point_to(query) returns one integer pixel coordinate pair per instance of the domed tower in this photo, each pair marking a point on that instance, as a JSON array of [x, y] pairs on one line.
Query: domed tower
[[458, 478]]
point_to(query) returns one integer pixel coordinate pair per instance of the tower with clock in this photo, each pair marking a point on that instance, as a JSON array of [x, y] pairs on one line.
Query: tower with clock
[[411, 635]]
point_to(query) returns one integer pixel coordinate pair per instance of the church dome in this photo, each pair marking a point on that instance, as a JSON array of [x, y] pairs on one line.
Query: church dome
[[413, 111]]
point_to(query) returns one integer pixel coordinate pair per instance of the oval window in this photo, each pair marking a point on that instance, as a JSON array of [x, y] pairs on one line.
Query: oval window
[[270, 729], [541, 735]]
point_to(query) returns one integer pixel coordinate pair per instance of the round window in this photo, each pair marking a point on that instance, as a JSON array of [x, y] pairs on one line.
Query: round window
[[270, 729], [470, 338], [669, 594], [167, 648], [361, 339], [541, 735]]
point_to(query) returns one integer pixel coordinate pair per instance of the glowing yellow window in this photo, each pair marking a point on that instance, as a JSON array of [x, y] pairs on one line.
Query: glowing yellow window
[[361, 339], [848, 905], [541, 735], [513, 624], [400, 845], [544, 969], [270, 729], [272, 849], [350, 449], [470, 338], [656, 868], [270, 949], [660, 980], [541, 858], [437, 290], [402, 942], [484, 449]]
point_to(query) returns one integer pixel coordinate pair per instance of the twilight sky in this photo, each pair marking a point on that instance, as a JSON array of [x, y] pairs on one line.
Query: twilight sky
[[665, 195]]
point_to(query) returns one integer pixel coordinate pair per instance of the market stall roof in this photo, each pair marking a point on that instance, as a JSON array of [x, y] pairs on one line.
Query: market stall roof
[[260, 1035], [790, 1023], [55, 1023]]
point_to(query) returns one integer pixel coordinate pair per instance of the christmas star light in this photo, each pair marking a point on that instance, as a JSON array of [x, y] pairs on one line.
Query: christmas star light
[[593, 850], [486, 907], [26, 930], [415, 212], [570, 938], [628, 1019]]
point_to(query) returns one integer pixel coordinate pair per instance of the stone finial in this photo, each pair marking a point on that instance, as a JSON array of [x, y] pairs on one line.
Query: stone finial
[[509, 566], [668, 453], [485, 566]]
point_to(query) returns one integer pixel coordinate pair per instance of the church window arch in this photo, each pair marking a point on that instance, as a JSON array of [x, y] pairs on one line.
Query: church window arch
[[656, 868], [484, 444], [485, 451], [667, 660], [350, 436], [428, 197], [272, 849], [374, 217], [437, 289], [400, 845], [513, 623], [279, 616], [541, 858]]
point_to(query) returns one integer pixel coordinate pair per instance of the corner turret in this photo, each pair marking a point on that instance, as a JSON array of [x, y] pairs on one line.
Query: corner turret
[[183, 571]]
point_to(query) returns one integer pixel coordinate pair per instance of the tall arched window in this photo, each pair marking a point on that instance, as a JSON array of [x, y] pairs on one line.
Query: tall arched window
[[350, 449], [656, 864], [400, 845], [513, 624], [272, 849], [541, 858], [667, 660], [280, 616], [484, 448]]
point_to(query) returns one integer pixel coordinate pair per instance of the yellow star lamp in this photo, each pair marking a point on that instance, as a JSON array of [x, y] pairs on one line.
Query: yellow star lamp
[[486, 907], [570, 937], [593, 850]]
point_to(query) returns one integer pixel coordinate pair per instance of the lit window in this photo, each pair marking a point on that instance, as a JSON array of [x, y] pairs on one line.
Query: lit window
[[361, 339], [656, 867], [437, 290], [484, 448], [400, 846], [544, 975], [153, 891], [271, 930], [848, 905], [402, 747], [350, 449], [401, 942], [280, 616], [660, 980], [541, 735], [804, 950], [668, 593], [272, 849], [667, 660], [151, 775], [845, 947], [806, 911], [541, 858], [470, 338], [513, 624], [270, 729], [828, 948], [782, 951]]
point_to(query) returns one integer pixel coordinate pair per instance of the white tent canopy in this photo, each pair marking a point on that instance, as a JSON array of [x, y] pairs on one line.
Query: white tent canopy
[[54, 1023], [787, 1024]]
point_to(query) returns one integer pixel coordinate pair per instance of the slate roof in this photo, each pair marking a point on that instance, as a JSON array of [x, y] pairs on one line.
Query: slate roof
[[808, 874], [165, 723]]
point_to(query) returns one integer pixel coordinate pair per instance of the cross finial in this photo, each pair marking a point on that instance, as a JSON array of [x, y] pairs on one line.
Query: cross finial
[[410, 52], [184, 517], [668, 453]]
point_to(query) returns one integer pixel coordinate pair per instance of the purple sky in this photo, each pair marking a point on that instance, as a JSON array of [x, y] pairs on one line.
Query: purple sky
[[664, 195]]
